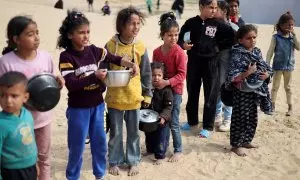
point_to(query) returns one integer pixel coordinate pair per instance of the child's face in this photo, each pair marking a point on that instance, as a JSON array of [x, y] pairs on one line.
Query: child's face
[[157, 75], [249, 40], [80, 37], [29, 39], [171, 37], [287, 27], [220, 14], [209, 10], [13, 98], [234, 8], [132, 27]]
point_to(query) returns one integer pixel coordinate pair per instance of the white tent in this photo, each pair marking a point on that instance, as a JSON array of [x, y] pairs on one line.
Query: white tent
[[268, 11]]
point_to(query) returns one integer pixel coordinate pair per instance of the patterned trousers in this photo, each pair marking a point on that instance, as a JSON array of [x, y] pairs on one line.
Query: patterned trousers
[[243, 119]]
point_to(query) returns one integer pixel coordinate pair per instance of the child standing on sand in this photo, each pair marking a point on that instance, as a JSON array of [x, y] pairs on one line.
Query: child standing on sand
[[175, 60], [208, 36], [283, 45], [79, 65], [248, 77], [18, 152], [224, 58], [125, 102], [22, 55], [157, 142]]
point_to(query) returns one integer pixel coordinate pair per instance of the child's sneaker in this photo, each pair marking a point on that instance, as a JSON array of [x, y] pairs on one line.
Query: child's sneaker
[[225, 126], [218, 120], [186, 127]]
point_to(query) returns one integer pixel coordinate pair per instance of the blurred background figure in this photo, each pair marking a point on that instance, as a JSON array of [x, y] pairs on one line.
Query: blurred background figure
[[59, 4], [90, 4], [149, 6], [106, 9], [158, 4], [178, 6]]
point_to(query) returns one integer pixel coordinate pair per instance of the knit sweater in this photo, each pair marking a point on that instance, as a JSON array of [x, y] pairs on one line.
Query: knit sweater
[[139, 87]]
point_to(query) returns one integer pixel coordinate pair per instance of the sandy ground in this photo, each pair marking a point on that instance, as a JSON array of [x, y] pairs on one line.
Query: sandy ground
[[278, 136]]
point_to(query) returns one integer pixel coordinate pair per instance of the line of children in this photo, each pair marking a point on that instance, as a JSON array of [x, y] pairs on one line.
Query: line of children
[[283, 45], [22, 55], [18, 151], [175, 61], [79, 65], [223, 14], [157, 142], [248, 77], [125, 102], [208, 36]]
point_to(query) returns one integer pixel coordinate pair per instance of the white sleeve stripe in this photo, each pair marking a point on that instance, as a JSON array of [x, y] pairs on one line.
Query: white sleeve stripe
[[103, 55], [64, 73]]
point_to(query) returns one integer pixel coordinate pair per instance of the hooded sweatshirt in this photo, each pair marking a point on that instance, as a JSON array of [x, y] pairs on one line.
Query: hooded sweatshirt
[[139, 87]]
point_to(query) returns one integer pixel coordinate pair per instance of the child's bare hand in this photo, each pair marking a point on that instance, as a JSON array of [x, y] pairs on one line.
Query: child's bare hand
[[162, 121], [61, 81], [251, 69], [187, 46], [264, 76], [101, 74], [37, 169], [145, 104], [293, 32], [135, 70], [126, 58], [161, 84]]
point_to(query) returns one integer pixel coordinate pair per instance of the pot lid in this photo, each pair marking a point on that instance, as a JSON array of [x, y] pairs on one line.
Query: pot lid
[[148, 116]]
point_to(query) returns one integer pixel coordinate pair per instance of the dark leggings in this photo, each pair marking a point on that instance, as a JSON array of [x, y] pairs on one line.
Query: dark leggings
[[202, 70]]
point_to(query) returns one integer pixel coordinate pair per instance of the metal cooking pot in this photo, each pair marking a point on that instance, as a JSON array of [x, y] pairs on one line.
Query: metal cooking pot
[[148, 120], [117, 78], [44, 92]]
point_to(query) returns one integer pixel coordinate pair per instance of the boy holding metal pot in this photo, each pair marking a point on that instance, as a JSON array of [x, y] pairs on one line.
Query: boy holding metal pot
[[157, 141]]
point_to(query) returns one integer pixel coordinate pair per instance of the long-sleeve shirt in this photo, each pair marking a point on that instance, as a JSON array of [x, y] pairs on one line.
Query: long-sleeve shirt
[[207, 36], [42, 63], [175, 63], [78, 69]]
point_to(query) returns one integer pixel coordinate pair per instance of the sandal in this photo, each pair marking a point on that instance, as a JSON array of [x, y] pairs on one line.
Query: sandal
[[204, 133]]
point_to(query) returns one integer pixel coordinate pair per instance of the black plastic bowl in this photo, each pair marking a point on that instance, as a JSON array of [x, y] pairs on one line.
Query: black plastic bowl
[[44, 92]]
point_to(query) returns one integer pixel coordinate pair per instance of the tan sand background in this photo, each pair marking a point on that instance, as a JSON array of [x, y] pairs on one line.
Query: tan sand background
[[278, 136]]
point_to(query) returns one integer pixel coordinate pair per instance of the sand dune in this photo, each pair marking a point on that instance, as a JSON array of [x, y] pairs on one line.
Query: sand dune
[[278, 136]]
